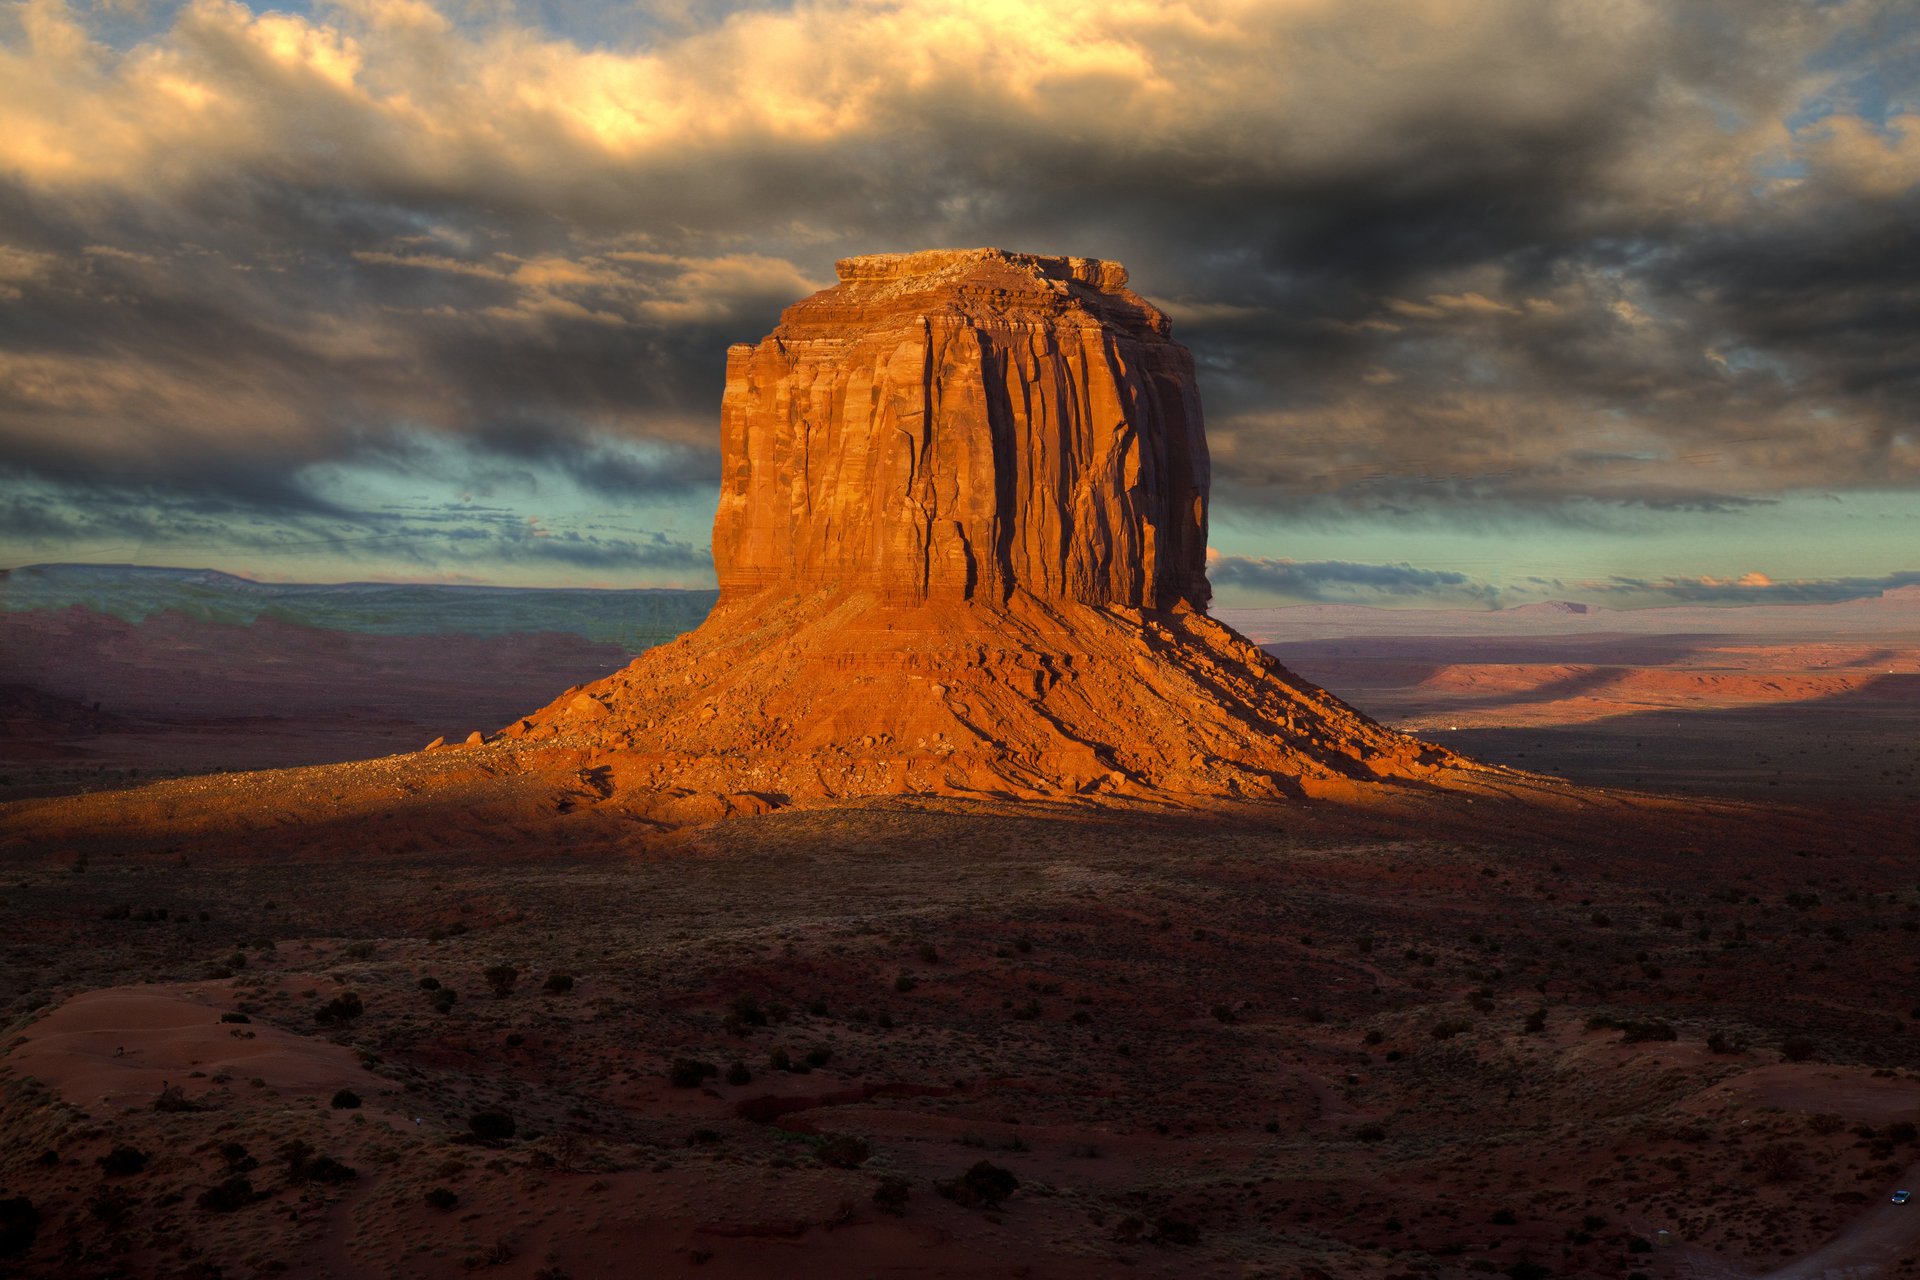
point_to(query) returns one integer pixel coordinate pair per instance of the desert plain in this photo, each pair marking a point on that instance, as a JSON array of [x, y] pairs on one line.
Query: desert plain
[[1670, 1033]]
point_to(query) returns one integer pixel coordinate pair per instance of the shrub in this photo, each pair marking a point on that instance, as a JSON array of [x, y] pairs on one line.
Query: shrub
[[1224, 1013], [744, 1011], [346, 1100], [1796, 1049], [1536, 1022], [819, 1057], [123, 1162], [501, 977], [174, 1099], [304, 1165], [443, 1000], [238, 1161], [737, 1074], [429, 984], [235, 1193], [1527, 1269], [928, 955], [891, 1196], [984, 1186], [1370, 1133], [235, 1017], [1504, 1218], [905, 983], [443, 1199], [1449, 1029], [1639, 1032], [1721, 1042], [842, 1151], [342, 1008], [557, 984], [1175, 1231], [19, 1224], [690, 1073], [492, 1125]]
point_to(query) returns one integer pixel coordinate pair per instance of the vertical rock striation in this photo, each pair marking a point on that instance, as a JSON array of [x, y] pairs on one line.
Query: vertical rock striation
[[963, 425], [961, 544]]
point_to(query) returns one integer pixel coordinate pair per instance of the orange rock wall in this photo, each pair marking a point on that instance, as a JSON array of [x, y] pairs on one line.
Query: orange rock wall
[[961, 425]]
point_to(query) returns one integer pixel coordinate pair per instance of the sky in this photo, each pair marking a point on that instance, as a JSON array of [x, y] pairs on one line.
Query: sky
[[1493, 301]]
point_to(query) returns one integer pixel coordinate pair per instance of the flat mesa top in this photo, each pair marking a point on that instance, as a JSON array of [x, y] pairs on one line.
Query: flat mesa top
[[934, 264], [973, 286]]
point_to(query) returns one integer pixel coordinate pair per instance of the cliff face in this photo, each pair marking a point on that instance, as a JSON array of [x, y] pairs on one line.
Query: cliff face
[[963, 425]]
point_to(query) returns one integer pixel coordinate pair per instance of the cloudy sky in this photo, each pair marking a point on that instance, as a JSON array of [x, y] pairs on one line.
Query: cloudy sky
[[1494, 300]]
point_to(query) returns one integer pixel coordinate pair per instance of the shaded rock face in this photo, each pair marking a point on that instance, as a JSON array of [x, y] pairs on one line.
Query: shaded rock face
[[961, 425], [962, 551]]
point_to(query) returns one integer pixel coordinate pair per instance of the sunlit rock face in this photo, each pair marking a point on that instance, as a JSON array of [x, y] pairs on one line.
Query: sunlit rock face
[[963, 425], [961, 544]]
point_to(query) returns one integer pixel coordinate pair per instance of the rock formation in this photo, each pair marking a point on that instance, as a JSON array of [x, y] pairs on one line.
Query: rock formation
[[961, 544]]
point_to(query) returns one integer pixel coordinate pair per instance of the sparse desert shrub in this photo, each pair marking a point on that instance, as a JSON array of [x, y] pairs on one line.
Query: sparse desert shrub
[[984, 1186], [842, 1151], [429, 984], [1796, 1049], [19, 1224], [443, 1000], [1224, 1013], [1450, 1028], [557, 984], [1536, 1022], [1372, 1037], [905, 983], [928, 954], [1176, 1231], [891, 1195], [819, 1056], [1636, 1031], [690, 1073], [235, 1192], [1777, 1162], [745, 1011], [1370, 1133], [1722, 1042], [500, 978], [1902, 1131], [174, 1099], [306, 1165], [442, 1198], [238, 1161], [123, 1162], [780, 1060], [491, 1125], [737, 1075], [1504, 1218], [241, 1018], [1023, 945], [109, 1206], [341, 1009], [358, 950], [1528, 1269], [346, 1100]]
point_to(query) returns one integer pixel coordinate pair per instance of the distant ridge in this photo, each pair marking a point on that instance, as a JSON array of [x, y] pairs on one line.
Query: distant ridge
[[636, 619], [1563, 607]]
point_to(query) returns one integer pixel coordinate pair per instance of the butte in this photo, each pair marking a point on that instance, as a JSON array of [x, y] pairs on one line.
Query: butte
[[962, 551]]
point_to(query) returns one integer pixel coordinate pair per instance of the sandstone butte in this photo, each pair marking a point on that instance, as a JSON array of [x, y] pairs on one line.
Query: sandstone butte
[[961, 545]]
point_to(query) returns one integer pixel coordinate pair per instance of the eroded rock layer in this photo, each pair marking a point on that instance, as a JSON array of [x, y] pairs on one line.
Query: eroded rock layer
[[961, 425], [961, 544]]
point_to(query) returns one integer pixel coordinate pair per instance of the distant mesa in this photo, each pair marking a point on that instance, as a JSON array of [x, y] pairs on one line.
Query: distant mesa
[[961, 544]]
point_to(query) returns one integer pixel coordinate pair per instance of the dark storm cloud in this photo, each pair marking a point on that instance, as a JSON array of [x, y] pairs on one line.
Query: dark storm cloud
[[1448, 256], [1345, 580]]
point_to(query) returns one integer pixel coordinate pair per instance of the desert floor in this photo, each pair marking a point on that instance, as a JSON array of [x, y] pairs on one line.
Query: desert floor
[[1634, 1039]]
